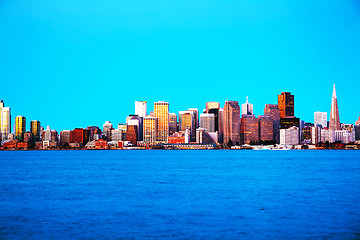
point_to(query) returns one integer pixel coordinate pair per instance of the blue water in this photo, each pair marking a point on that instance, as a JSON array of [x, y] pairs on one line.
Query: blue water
[[207, 194]]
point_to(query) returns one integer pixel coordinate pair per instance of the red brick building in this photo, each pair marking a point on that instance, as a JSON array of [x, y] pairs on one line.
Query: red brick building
[[79, 135], [132, 134]]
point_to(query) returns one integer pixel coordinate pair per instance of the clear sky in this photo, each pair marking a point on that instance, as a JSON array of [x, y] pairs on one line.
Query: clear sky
[[79, 63]]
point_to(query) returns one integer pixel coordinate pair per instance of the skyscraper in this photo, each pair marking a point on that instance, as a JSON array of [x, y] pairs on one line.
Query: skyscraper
[[214, 107], [249, 131], [320, 119], [187, 121], [207, 121], [247, 108], [196, 116], [286, 104], [266, 128], [334, 123], [231, 122], [273, 111], [35, 129], [172, 123], [150, 129], [5, 121], [20, 125], [107, 126], [141, 108], [161, 112]]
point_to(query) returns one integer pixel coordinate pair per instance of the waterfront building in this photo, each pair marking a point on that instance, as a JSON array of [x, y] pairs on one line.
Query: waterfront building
[[203, 137], [289, 136], [141, 108], [286, 104], [344, 136], [320, 119], [327, 135], [334, 123], [221, 125], [5, 121], [29, 139], [150, 129], [172, 123], [20, 127], [247, 108], [207, 121], [273, 111], [107, 127], [187, 121], [214, 108], [161, 112], [231, 122], [116, 135], [132, 134], [249, 130], [35, 129], [266, 128], [305, 134], [79, 135], [315, 135], [177, 138], [65, 136]]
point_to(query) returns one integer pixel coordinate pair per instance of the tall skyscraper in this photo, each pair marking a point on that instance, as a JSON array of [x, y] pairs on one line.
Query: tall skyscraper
[[207, 121], [20, 125], [266, 128], [5, 121], [334, 123], [247, 108], [135, 120], [150, 129], [172, 123], [161, 112], [249, 131], [214, 107], [273, 111], [187, 120], [196, 116], [320, 119], [231, 122], [141, 108], [286, 104], [35, 129]]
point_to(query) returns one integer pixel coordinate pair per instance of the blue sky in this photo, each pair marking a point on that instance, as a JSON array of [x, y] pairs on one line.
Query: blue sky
[[79, 63]]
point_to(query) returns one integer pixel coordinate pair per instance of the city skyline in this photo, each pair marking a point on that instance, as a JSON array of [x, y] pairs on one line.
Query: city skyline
[[175, 51]]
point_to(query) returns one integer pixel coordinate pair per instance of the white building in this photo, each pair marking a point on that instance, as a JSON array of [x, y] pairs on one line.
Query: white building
[[247, 108], [315, 135], [289, 136], [141, 108], [320, 118], [116, 135], [5, 121], [327, 135], [47, 135]]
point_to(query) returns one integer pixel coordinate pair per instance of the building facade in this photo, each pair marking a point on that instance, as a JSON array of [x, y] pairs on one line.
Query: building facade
[[214, 108], [172, 123], [150, 129], [249, 132], [273, 111], [231, 122], [286, 104], [320, 119], [289, 136], [35, 129], [334, 123], [5, 121], [20, 127], [141, 108], [247, 108], [161, 112], [207, 121], [266, 128]]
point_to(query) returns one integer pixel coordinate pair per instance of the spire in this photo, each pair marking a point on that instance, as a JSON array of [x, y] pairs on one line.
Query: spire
[[247, 99], [334, 92]]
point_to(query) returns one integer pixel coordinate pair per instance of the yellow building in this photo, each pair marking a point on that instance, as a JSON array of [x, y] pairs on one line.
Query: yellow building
[[20, 125], [161, 112], [150, 129], [35, 129]]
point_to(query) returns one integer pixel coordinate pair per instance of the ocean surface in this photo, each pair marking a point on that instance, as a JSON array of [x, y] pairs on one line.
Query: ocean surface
[[195, 194]]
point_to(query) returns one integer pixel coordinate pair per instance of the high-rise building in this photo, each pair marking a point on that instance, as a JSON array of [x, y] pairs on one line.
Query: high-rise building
[[207, 121], [35, 129], [273, 111], [196, 116], [172, 123], [161, 112], [136, 121], [107, 127], [150, 129], [221, 125], [141, 108], [95, 133], [65, 136], [288, 122], [289, 136], [249, 131], [266, 128], [320, 119], [231, 122], [132, 134], [187, 121], [116, 135], [20, 127], [247, 108], [214, 107], [286, 104], [315, 135], [5, 121], [334, 123], [79, 135]]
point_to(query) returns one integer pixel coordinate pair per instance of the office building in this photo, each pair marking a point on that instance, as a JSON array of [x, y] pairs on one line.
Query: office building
[[231, 122], [35, 129], [207, 121], [334, 123], [288, 122], [187, 121], [132, 134], [273, 111], [107, 127], [79, 135], [150, 129], [196, 116], [172, 123], [141, 108], [214, 107], [94, 133], [20, 125], [320, 119], [65, 136], [266, 128], [5, 121], [315, 135], [289, 136], [116, 135], [247, 108], [286, 104], [221, 125], [137, 121], [161, 112], [249, 131]]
